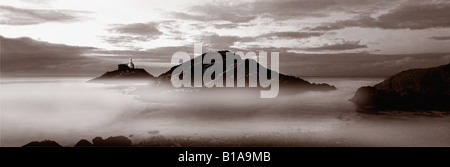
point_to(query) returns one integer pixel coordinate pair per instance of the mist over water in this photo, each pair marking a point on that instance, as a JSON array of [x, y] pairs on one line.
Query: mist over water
[[68, 109]]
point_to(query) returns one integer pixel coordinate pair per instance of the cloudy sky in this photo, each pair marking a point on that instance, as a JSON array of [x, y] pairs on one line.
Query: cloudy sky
[[314, 37]]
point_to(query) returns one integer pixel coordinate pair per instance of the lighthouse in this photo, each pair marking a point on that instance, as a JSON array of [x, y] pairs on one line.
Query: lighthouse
[[130, 64]]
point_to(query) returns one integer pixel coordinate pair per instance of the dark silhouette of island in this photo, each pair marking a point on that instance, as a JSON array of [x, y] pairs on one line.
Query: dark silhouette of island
[[44, 143], [285, 81], [414, 89], [83, 143], [126, 73]]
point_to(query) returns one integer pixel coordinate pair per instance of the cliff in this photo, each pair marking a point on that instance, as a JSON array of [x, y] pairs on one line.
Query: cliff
[[411, 89]]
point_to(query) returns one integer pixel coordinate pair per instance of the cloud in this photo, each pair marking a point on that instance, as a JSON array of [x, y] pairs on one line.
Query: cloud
[[356, 64], [126, 41], [290, 34], [217, 42], [408, 16], [243, 12], [214, 15], [126, 35], [289, 9], [440, 38], [345, 45], [226, 26], [37, 1], [421, 16], [360, 21], [145, 29], [28, 57], [20, 16], [123, 39], [229, 42]]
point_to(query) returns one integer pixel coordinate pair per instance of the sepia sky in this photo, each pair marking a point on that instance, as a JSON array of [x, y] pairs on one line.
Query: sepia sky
[[314, 37]]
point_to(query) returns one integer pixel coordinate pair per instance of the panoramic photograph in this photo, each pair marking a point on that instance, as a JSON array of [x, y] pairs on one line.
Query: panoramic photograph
[[223, 73]]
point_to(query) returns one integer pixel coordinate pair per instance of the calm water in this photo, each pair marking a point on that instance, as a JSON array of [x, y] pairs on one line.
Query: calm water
[[67, 110]]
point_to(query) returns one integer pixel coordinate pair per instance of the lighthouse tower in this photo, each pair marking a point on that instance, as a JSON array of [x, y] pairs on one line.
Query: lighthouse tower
[[130, 64]]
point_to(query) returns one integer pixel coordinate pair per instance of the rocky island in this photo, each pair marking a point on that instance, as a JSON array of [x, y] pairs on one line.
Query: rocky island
[[287, 83], [126, 73], [418, 89]]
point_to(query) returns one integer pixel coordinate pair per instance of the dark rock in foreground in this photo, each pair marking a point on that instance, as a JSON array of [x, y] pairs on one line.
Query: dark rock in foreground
[[287, 83], [116, 141], [427, 89], [120, 141], [44, 143]]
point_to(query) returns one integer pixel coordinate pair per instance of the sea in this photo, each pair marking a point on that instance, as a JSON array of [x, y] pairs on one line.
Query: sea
[[67, 110]]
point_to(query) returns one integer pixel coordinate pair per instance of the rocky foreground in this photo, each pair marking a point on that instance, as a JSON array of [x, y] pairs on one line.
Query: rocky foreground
[[116, 141], [260, 140], [414, 89]]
